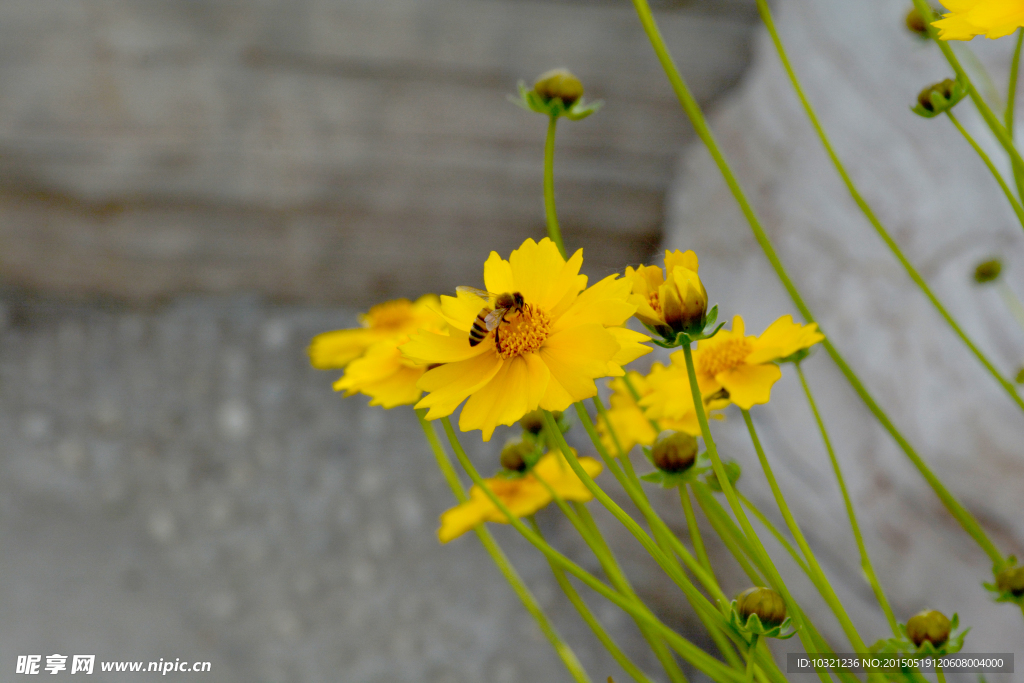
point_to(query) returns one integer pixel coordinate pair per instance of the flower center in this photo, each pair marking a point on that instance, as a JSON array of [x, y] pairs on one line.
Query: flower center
[[522, 332], [725, 355], [654, 301]]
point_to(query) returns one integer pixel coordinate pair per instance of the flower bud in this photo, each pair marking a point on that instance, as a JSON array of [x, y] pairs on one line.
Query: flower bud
[[768, 605], [928, 625], [684, 301], [533, 422], [674, 452], [559, 83], [1011, 580], [938, 98], [915, 22], [732, 471], [515, 455], [987, 271]]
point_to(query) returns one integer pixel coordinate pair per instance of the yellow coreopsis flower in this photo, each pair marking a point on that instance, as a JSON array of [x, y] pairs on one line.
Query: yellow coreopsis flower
[[669, 301], [625, 417], [389, 320], [544, 352], [379, 370], [522, 495], [745, 366], [669, 400], [969, 18]]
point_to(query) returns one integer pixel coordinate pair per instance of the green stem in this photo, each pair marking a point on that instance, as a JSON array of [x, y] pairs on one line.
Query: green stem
[[816, 574], [774, 531], [869, 213], [939, 674], [750, 658], [865, 559], [695, 538], [755, 543], [565, 653], [1017, 209], [588, 617], [696, 116], [1011, 91], [690, 652], [986, 112], [1011, 301], [554, 232]]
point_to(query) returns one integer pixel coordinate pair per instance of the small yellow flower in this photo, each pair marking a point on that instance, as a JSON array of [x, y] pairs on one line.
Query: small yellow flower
[[969, 18], [669, 301], [627, 419], [522, 495], [745, 366], [379, 370], [546, 355], [669, 400], [389, 320]]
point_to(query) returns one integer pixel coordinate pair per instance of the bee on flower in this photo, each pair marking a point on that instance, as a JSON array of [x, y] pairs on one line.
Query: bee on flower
[[544, 350], [369, 354]]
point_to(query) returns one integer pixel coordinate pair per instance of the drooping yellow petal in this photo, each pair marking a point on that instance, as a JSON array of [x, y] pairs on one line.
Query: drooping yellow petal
[[750, 384], [783, 338], [431, 347], [514, 390], [631, 346], [450, 384], [383, 375], [576, 357], [968, 18]]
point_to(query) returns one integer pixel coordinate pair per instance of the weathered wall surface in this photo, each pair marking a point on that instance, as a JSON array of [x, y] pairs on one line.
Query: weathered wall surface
[[332, 151], [943, 207]]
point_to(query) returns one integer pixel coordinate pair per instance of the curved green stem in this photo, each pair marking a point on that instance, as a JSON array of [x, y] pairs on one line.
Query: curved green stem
[[869, 213], [1014, 204], [691, 523], [750, 658], [816, 574], [696, 116], [1011, 90], [565, 653], [774, 531], [865, 559], [588, 617], [690, 652], [771, 573], [554, 232]]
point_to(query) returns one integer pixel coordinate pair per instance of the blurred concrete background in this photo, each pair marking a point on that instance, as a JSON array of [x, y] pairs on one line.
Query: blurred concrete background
[[189, 190]]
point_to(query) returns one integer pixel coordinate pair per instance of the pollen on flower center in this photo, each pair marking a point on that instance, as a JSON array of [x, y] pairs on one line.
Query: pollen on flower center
[[654, 301], [724, 355], [522, 332]]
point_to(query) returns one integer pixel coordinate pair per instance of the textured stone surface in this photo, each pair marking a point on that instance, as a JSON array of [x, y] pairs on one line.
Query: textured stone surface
[[298, 149], [862, 74]]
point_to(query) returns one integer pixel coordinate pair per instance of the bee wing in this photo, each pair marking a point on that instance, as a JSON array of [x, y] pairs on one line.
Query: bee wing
[[483, 294], [493, 318]]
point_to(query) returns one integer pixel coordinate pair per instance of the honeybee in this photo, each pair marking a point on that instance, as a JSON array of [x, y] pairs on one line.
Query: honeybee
[[491, 318]]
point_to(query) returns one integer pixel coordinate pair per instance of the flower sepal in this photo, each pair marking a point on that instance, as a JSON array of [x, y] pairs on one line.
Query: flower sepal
[[672, 480], [705, 329], [555, 107], [952, 644], [939, 98], [753, 626], [732, 471]]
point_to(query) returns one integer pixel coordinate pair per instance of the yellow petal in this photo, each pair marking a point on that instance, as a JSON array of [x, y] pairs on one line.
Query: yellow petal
[[498, 275], [784, 338], [750, 384], [450, 384], [515, 390], [336, 349], [674, 259], [631, 345], [462, 518], [429, 347], [605, 303], [576, 357]]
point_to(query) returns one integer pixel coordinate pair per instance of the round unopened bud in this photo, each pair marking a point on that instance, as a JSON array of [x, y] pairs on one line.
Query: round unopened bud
[[928, 625], [533, 422], [768, 605], [515, 455], [987, 271], [943, 88], [674, 452], [915, 22], [559, 83], [1011, 580]]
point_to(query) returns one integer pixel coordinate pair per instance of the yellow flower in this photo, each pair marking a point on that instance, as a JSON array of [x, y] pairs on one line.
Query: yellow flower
[[627, 419], [669, 400], [389, 320], [379, 371], [522, 495], [744, 366], [547, 355], [669, 301], [969, 18]]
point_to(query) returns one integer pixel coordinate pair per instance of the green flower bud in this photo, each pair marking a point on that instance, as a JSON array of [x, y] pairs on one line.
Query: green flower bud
[[928, 625], [915, 22], [559, 83], [516, 454], [1011, 580], [987, 271], [768, 605], [674, 452], [938, 98], [533, 422], [732, 470]]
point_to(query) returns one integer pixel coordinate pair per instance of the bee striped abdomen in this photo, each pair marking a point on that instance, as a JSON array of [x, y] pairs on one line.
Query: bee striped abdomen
[[479, 329]]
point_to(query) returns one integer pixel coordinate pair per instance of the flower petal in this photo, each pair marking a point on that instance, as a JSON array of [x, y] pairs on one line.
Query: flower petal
[[515, 390], [576, 357], [450, 384], [429, 347], [750, 384]]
